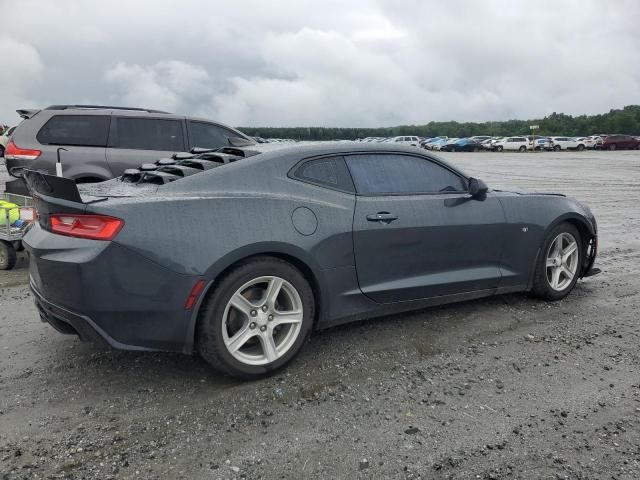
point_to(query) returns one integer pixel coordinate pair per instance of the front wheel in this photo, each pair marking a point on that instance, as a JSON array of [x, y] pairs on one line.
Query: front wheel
[[580, 147], [558, 265], [556, 148], [523, 148], [499, 148], [257, 318]]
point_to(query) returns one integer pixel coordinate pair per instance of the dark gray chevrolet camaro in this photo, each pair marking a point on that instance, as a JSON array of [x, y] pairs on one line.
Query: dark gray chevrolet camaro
[[238, 254]]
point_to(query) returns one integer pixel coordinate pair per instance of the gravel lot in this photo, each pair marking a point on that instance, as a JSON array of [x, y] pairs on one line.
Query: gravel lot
[[508, 387]]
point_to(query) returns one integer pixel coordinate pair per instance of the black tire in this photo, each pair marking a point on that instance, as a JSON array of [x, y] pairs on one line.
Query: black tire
[[580, 147], [522, 148], [209, 340], [1, 151], [557, 148], [541, 287], [7, 255], [18, 245], [499, 148], [612, 147]]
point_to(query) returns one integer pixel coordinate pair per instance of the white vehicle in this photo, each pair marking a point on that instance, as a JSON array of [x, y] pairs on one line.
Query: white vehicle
[[4, 139], [520, 144], [565, 143], [592, 142], [413, 141]]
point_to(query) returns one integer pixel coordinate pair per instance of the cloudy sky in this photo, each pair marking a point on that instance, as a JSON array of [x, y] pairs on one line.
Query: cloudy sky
[[323, 63]]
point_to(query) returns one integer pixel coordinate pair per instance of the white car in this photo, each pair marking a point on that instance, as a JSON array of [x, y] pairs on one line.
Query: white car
[[4, 139], [413, 141], [592, 142], [520, 144], [565, 143]]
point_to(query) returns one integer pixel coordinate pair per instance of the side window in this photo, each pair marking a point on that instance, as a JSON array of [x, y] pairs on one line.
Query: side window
[[329, 172], [208, 135], [398, 174], [148, 134], [81, 130]]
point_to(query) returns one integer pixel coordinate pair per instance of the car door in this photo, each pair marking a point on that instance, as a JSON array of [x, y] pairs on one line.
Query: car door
[[137, 140], [417, 233]]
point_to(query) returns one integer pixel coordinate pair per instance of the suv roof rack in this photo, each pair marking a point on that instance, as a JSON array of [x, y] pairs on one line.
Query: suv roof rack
[[103, 107]]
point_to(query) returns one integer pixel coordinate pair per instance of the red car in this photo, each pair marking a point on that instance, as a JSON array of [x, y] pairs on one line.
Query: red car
[[619, 142]]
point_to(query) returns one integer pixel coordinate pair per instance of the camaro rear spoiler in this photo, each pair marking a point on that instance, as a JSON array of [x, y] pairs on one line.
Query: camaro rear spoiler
[[45, 186]]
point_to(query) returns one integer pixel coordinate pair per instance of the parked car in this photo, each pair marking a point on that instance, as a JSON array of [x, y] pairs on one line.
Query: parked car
[[480, 138], [99, 142], [565, 143], [239, 254], [512, 143], [448, 145], [406, 140], [466, 145], [592, 142], [435, 144], [540, 143], [4, 140], [619, 142]]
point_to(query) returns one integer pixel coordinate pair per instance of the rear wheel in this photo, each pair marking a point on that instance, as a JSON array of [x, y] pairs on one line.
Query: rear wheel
[[558, 266], [257, 318], [580, 147], [7, 255]]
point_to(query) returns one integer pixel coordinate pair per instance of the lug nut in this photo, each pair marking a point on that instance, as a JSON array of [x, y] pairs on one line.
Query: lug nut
[[252, 325], [270, 317], [264, 308], [263, 328], [253, 313]]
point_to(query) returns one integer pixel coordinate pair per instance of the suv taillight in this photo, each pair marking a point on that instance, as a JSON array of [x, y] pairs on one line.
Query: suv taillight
[[14, 152], [93, 227]]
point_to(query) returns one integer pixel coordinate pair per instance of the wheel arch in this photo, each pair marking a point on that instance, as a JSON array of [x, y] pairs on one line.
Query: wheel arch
[[586, 230], [293, 255]]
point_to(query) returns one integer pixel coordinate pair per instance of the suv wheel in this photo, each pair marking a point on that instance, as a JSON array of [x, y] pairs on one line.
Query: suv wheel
[[557, 148], [499, 148], [580, 147], [257, 318], [523, 148]]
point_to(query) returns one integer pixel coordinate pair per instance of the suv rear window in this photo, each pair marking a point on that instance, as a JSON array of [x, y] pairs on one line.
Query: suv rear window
[[148, 134], [84, 130]]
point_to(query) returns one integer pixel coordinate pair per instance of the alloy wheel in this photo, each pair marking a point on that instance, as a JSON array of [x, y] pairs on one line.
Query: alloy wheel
[[262, 320], [562, 261]]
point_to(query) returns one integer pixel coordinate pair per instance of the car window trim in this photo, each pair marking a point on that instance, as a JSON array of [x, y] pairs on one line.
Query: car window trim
[[292, 173], [403, 194]]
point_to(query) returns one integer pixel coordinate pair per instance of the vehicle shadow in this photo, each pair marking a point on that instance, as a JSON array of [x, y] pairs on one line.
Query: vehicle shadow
[[376, 344]]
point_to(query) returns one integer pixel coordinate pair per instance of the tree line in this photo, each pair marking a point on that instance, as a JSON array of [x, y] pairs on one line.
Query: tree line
[[624, 121]]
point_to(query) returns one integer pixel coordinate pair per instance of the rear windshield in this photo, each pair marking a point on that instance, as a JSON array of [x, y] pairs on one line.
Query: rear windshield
[[85, 130]]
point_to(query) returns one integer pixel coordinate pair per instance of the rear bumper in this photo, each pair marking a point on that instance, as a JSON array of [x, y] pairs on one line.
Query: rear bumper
[[109, 294], [71, 323]]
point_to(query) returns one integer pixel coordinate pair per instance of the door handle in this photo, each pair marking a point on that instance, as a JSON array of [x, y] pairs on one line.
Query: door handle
[[382, 217]]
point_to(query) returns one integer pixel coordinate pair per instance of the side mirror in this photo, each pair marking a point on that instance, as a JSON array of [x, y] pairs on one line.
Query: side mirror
[[477, 188]]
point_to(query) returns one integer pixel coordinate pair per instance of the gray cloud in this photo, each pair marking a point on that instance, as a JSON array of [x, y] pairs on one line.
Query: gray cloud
[[357, 63]]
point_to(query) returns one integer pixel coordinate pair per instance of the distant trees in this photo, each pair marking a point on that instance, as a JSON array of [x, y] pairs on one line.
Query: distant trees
[[626, 121]]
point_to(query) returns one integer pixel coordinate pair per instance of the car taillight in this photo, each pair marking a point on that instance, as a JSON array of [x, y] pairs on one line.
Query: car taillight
[[94, 227], [14, 152]]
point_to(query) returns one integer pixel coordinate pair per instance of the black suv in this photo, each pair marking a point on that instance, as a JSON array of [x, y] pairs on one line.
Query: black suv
[[100, 142]]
